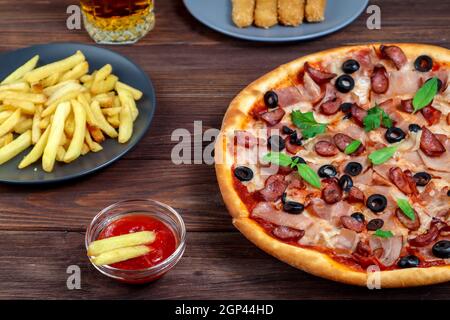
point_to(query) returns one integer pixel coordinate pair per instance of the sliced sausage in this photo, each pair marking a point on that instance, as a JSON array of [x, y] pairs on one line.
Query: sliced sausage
[[288, 234], [319, 77], [292, 147], [379, 79], [363, 249], [274, 188], [398, 178], [342, 141], [245, 139], [326, 149], [355, 195], [273, 117], [395, 54], [332, 192], [358, 114], [411, 181], [352, 224], [430, 144], [426, 238], [407, 106], [330, 107], [407, 222], [431, 115]]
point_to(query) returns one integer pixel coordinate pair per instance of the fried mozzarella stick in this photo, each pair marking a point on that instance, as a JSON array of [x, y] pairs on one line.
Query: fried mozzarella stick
[[242, 12], [291, 12], [266, 14], [315, 10]]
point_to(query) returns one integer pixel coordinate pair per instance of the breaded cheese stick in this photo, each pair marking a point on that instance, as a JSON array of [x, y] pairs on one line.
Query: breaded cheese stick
[[242, 12], [315, 10], [291, 12], [266, 13]]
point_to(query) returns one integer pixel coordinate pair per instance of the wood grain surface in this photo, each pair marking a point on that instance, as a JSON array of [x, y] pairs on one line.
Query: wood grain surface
[[196, 72]]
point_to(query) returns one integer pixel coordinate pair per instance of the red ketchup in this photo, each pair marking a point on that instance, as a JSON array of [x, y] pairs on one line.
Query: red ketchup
[[163, 246]]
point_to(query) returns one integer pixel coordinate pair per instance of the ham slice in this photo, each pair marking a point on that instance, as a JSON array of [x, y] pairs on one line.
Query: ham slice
[[267, 212], [387, 249], [309, 90], [330, 212], [346, 240], [288, 96]]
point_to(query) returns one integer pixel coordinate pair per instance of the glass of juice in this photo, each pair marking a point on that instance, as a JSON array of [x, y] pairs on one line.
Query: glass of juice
[[118, 21]]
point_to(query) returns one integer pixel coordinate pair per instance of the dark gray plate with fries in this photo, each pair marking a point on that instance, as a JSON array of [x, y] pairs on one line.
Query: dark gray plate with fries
[[113, 104]]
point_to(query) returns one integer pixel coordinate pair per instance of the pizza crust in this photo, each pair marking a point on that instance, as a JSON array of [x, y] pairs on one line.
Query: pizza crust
[[311, 261]]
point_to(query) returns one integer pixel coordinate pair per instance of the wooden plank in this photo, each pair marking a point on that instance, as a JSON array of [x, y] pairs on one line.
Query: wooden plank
[[222, 265]]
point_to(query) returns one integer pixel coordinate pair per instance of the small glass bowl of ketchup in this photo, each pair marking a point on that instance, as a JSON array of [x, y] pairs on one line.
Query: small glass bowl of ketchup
[[129, 216]]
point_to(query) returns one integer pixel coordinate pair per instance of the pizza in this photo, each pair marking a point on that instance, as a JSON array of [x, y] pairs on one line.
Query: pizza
[[338, 163]]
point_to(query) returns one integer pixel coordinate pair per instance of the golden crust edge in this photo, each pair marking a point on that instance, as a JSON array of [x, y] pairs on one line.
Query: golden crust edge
[[237, 114]]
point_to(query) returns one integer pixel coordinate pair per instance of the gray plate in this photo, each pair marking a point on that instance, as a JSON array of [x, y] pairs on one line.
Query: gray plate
[[126, 70], [216, 14]]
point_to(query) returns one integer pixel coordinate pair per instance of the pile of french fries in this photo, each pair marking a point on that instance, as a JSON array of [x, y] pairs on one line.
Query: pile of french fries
[[63, 111], [121, 248]]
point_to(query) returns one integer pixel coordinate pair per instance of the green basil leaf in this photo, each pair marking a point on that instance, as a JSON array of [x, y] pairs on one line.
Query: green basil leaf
[[309, 175], [278, 158], [352, 147], [406, 208], [382, 155], [383, 234], [375, 117], [306, 122], [425, 94], [386, 120]]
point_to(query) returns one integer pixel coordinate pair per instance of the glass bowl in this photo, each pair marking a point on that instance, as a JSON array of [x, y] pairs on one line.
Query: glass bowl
[[154, 209]]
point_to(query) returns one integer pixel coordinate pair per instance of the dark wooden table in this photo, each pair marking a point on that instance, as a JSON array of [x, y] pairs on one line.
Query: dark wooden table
[[196, 72]]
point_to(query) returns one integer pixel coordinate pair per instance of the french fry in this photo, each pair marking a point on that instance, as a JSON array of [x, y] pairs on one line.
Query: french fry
[[93, 146], [64, 93], [60, 154], [50, 80], [5, 114], [126, 124], [52, 89], [37, 88], [86, 78], [23, 125], [63, 139], [77, 143], [27, 107], [6, 139], [58, 66], [9, 124], [69, 127], [111, 111], [56, 134], [105, 85], [137, 94], [15, 147], [33, 97], [127, 99], [77, 72], [119, 255], [37, 150], [21, 71], [127, 240], [44, 123], [114, 121], [85, 149], [16, 86], [90, 118], [103, 73], [35, 129], [100, 119], [96, 134], [106, 100]]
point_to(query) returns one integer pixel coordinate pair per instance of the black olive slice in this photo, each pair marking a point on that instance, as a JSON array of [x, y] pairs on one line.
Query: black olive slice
[[410, 261], [353, 168], [327, 171], [441, 249], [271, 99], [293, 207], [243, 173], [345, 83], [298, 159], [276, 143], [394, 134], [346, 106], [350, 66], [358, 216], [414, 127], [423, 63], [345, 182], [375, 224], [287, 130], [376, 203], [422, 178]]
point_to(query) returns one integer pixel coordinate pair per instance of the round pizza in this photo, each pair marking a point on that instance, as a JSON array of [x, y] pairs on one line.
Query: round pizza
[[338, 163]]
